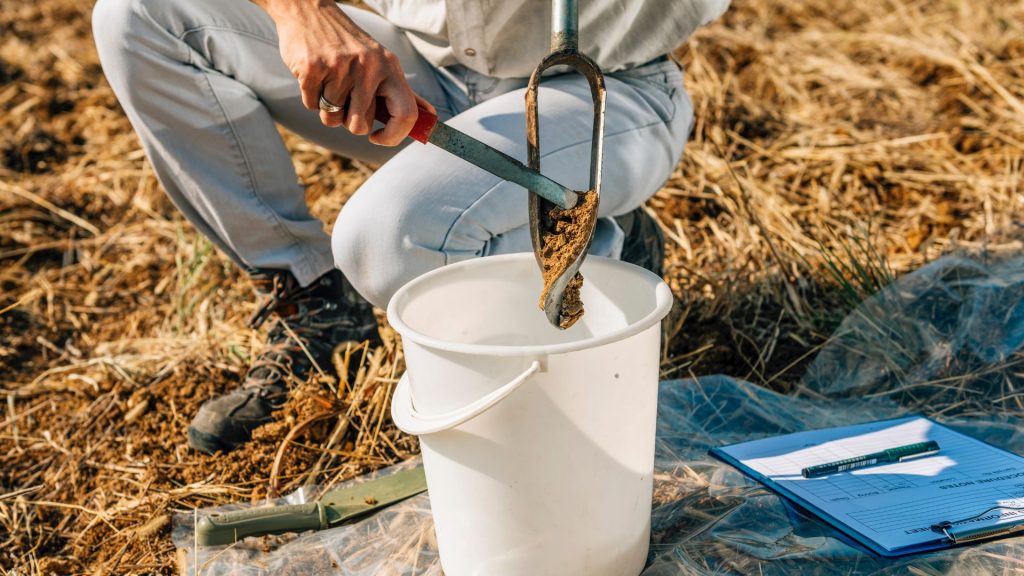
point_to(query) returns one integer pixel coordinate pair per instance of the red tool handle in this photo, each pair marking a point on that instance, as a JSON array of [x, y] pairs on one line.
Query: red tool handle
[[420, 130]]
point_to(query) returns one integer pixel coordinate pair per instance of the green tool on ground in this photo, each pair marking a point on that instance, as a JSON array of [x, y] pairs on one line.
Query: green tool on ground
[[332, 509]]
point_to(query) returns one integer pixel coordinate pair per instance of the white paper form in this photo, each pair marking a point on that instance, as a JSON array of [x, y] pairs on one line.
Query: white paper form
[[893, 505]]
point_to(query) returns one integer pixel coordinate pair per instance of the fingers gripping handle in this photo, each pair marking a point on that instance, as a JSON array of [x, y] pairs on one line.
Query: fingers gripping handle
[[229, 527], [421, 130]]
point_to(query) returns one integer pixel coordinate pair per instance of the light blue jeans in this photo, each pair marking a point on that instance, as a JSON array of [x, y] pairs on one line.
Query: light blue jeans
[[203, 84]]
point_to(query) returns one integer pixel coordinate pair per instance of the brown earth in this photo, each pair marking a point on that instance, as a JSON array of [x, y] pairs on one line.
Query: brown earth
[[875, 136], [564, 236]]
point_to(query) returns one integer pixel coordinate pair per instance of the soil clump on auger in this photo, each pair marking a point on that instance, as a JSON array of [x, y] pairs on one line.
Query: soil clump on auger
[[565, 235]]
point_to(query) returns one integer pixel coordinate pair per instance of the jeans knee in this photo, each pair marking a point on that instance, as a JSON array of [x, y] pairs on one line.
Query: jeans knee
[[125, 30], [119, 28], [108, 25], [367, 249]]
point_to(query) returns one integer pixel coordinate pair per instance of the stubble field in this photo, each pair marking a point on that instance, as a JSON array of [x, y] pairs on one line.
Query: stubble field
[[833, 148]]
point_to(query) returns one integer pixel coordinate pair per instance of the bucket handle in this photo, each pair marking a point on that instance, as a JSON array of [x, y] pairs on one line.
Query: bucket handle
[[411, 421]]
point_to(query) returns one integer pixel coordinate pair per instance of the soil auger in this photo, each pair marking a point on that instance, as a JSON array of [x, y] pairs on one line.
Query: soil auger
[[554, 210]]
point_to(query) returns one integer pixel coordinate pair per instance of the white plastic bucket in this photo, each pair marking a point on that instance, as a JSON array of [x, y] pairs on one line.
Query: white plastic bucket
[[538, 443]]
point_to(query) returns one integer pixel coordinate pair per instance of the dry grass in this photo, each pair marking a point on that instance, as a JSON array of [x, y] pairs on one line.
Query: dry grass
[[884, 134]]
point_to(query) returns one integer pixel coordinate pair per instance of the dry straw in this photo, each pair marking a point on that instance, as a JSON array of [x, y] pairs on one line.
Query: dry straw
[[824, 132]]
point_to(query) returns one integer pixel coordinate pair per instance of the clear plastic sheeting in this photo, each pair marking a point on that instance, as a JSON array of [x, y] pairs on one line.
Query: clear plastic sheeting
[[943, 341], [957, 319]]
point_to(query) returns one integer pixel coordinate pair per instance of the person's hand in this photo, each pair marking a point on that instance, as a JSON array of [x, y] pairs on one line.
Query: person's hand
[[329, 54]]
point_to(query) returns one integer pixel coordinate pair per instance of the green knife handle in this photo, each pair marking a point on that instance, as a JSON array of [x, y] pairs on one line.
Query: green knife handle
[[229, 527]]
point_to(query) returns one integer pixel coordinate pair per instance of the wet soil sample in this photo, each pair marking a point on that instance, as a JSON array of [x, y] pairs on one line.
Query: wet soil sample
[[565, 235]]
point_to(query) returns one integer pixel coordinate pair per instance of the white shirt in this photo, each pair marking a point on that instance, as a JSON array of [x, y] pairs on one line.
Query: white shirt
[[508, 38]]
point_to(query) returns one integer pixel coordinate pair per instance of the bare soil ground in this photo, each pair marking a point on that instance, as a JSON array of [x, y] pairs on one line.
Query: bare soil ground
[[879, 135]]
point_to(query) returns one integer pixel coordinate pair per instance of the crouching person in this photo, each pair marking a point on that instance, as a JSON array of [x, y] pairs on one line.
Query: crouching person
[[205, 83]]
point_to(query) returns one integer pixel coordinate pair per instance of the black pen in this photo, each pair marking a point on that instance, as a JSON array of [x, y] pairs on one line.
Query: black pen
[[898, 454]]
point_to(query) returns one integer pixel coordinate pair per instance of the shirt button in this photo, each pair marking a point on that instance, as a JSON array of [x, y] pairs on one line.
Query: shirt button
[[469, 52]]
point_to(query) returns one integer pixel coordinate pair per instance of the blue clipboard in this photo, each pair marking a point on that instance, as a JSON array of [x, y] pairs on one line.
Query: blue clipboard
[[939, 540]]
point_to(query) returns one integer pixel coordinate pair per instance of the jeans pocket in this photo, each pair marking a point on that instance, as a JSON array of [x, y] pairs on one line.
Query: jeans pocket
[[665, 75], [660, 84]]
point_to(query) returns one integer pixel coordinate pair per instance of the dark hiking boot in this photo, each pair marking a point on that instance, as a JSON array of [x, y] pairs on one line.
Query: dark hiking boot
[[310, 322], [645, 242]]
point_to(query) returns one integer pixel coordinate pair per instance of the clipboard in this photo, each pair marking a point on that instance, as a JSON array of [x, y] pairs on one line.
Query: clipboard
[[969, 491]]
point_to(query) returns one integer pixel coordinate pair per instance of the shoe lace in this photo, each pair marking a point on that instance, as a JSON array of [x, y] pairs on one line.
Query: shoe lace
[[291, 343], [269, 303]]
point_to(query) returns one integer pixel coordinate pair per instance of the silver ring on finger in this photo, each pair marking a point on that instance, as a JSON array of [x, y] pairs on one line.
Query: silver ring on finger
[[328, 106]]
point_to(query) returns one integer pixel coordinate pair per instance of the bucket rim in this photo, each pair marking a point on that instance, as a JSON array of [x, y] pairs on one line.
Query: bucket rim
[[663, 303]]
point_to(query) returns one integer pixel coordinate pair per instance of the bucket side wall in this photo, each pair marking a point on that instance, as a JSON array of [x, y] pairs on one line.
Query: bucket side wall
[[556, 478]]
